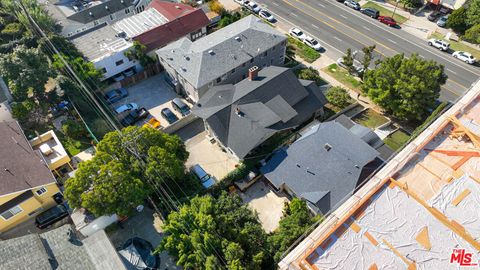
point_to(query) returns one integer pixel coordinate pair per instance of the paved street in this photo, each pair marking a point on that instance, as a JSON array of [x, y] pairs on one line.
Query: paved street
[[338, 27]]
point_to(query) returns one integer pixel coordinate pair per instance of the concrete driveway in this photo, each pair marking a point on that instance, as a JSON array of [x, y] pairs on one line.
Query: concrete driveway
[[269, 205], [210, 157], [153, 94], [145, 225]]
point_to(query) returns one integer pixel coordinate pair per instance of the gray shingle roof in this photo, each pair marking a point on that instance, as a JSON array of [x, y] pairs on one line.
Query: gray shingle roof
[[276, 100], [56, 249], [98, 11], [312, 172], [208, 58]]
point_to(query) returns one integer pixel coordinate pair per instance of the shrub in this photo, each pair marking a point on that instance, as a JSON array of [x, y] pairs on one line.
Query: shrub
[[215, 6], [73, 129], [473, 34], [339, 97], [310, 74]]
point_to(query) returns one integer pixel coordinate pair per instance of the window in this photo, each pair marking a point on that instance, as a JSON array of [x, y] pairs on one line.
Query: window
[[196, 35], [127, 11], [244, 76], [103, 70], [265, 54], [11, 212], [112, 17], [273, 48], [41, 191], [219, 80], [232, 71], [95, 23], [119, 62], [251, 60]]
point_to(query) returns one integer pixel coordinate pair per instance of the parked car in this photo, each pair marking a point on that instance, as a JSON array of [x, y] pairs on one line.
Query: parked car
[[266, 15], [115, 95], [206, 180], [387, 20], [253, 7], [139, 254], [180, 106], [358, 68], [465, 57], [135, 116], [439, 44], [297, 33], [169, 115], [50, 216], [240, 2], [341, 1], [312, 43], [126, 107], [371, 12], [433, 16], [245, 3], [352, 4], [442, 22]]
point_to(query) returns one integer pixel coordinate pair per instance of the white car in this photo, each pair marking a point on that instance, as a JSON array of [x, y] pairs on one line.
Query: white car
[[439, 44], [126, 107], [253, 7], [297, 33], [240, 2], [465, 57], [266, 15], [312, 43]]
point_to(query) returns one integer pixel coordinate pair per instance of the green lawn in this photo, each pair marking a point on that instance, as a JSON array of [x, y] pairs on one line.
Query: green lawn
[[341, 75], [385, 12], [306, 53], [458, 46], [396, 140], [370, 119]]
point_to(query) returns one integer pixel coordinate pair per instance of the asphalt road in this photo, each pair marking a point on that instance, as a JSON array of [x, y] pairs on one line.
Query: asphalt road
[[338, 27]]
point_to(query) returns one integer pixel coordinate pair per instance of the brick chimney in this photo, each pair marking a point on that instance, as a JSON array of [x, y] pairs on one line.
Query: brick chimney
[[253, 73]]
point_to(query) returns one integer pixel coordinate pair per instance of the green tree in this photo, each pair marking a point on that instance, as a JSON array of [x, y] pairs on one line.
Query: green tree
[[22, 110], [44, 20], [310, 74], [208, 230], [473, 34], [73, 129], [85, 70], [13, 30], [473, 13], [405, 87], [411, 3], [367, 56], [139, 52], [348, 61], [338, 96], [26, 71], [457, 20], [294, 223], [115, 180]]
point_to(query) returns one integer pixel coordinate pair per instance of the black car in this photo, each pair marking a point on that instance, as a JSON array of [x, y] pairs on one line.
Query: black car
[[169, 115], [135, 116], [52, 215], [371, 12], [433, 16], [139, 253]]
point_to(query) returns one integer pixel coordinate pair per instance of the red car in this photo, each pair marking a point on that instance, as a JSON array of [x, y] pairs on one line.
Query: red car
[[387, 20]]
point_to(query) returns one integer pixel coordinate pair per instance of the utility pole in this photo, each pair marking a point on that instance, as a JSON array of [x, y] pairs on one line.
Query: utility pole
[[395, 9]]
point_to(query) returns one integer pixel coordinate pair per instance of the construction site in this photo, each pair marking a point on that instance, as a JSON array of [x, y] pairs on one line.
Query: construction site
[[419, 208]]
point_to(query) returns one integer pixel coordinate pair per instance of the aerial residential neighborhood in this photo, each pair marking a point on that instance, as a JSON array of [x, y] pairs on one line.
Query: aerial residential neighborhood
[[238, 134]]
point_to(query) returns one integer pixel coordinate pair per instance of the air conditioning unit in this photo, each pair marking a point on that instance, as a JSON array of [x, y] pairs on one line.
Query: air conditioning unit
[[46, 149]]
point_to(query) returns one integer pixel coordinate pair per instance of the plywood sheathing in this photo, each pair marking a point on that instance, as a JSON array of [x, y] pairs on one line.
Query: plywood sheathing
[[405, 260], [460, 197], [423, 238], [371, 238], [373, 267]]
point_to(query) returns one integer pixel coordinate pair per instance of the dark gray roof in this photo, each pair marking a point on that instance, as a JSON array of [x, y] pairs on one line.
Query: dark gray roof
[[276, 100], [59, 249], [22, 167], [312, 172], [210, 57], [98, 11]]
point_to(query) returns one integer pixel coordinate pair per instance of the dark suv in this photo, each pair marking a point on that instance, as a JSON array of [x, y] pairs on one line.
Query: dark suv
[[371, 12], [52, 215]]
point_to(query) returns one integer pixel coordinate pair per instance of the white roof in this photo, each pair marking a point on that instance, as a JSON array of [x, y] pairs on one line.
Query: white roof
[[140, 23]]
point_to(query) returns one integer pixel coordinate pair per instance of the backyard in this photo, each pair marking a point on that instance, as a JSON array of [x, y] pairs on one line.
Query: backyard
[[385, 12], [458, 46], [342, 75], [370, 118], [397, 139], [298, 48]]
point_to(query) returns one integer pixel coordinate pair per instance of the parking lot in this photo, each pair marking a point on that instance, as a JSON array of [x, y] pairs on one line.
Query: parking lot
[[153, 94], [268, 204], [210, 157]]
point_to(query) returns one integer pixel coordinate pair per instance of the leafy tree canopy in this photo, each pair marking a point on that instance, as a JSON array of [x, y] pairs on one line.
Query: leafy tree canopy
[[209, 231], [473, 34], [310, 74], [139, 52], [473, 13], [456, 20], [115, 181], [405, 88], [338, 96]]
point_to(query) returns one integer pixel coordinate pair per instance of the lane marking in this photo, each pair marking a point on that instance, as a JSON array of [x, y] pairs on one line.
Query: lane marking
[[337, 38], [320, 5], [392, 41], [295, 15], [421, 56], [366, 28], [275, 4], [452, 71], [314, 26], [343, 16]]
